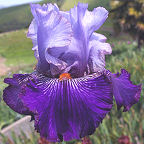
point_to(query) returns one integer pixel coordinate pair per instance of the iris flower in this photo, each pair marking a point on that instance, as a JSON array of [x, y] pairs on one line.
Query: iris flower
[[70, 92]]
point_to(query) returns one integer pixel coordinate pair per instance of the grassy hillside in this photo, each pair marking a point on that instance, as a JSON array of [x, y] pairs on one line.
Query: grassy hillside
[[19, 17], [13, 18], [16, 48]]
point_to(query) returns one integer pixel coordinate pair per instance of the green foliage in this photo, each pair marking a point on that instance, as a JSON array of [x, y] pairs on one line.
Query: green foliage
[[16, 48], [20, 139], [14, 18], [128, 16]]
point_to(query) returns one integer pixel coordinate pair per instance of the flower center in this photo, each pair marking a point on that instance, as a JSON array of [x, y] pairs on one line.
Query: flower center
[[64, 76]]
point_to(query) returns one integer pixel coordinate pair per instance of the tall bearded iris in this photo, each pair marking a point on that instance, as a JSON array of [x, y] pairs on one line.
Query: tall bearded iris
[[70, 92]]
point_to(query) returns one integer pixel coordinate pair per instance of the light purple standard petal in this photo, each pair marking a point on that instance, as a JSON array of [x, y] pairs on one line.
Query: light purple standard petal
[[98, 50], [45, 8], [33, 28], [98, 37], [53, 31], [68, 109], [32, 33], [12, 94], [62, 40], [94, 20], [84, 23], [126, 94]]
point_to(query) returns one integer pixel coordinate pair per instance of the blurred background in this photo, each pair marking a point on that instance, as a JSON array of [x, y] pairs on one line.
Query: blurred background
[[125, 32]]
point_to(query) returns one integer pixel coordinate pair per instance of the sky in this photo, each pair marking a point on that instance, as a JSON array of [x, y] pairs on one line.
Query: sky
[[8, 3]]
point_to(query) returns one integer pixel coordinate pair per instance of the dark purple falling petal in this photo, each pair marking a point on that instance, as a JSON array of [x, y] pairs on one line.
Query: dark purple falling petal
[[68, 109], [126, 93], [12, 93]]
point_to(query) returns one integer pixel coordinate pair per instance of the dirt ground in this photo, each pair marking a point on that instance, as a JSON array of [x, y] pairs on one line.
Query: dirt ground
[[3, 68]]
